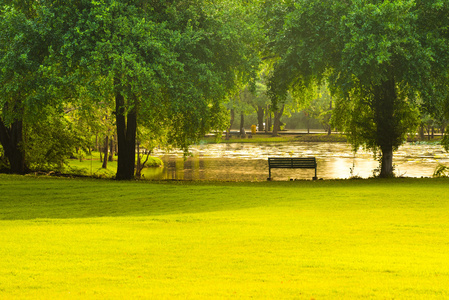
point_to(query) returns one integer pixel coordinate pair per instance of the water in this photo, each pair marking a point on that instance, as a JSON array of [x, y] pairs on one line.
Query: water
[[248, 162]]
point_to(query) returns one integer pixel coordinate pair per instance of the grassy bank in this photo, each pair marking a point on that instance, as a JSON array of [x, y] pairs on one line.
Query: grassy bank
[[284, 137], [91, 165], [85, 238], [287, 136]]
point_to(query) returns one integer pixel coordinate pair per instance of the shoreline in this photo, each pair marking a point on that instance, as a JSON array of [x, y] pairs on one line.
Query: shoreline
[[297, 136]]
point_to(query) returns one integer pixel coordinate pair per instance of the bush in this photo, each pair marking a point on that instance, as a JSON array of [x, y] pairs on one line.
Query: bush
[[3, 161], [50, 142], [441, 171]]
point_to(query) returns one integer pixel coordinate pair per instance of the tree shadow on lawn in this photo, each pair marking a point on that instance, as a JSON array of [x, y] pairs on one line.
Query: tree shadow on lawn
[[28, 198]]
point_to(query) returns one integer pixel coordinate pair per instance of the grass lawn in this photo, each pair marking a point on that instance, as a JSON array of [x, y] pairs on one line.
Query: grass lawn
[[83, 238]]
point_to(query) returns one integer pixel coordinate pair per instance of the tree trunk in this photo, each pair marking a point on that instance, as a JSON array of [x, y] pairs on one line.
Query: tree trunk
[[329, 128], [387, 162], [228, 132], [421, 132], [11, 138], [242, 124], [307, 122], [260, 114], [267, 112], [268, 124], [106, 153], [138, 166], [111, 149], [126, 138], [387, 135], [277, 120], [97, 146]]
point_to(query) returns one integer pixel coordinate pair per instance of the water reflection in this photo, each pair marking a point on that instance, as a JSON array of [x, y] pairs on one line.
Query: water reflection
[[241, 161]]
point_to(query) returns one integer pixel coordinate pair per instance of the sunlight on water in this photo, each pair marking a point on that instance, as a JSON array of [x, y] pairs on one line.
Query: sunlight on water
[[242, 161]]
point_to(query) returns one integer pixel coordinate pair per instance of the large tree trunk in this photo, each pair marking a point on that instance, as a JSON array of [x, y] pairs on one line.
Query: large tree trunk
[[387, 135], [126, 138], [387, 162], [11, 138], [277, 120]]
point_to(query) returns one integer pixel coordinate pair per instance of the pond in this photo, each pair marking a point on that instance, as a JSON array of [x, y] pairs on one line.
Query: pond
[[248, 161]]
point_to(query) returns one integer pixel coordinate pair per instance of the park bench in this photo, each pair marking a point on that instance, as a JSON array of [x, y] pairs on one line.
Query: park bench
[[291, 163]]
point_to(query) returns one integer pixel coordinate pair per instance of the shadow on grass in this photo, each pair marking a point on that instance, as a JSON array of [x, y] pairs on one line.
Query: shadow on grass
[[28, 198]]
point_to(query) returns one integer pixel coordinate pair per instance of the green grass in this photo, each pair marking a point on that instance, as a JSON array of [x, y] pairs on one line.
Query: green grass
[[91, 165], [362, 239]]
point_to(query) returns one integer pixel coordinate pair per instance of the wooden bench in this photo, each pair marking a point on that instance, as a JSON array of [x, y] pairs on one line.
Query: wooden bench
[[291, 163]]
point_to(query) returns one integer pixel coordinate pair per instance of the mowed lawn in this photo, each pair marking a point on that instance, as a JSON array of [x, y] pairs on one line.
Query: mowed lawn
[[102, 239]]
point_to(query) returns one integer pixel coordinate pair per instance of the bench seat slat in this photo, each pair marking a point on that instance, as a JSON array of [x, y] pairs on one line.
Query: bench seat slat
[[291, 163]]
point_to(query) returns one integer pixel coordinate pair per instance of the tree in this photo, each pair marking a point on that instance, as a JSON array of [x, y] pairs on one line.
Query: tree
[[260, 103], [378, 57], [320, 108], [166, 64], [25, 88], [240, 103]]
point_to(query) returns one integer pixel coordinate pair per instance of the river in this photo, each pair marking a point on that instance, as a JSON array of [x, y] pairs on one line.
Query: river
[[248, 161]]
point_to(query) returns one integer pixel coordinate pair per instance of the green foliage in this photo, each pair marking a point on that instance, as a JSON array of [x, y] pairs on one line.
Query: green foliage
[[378, 58], [319, 107], [445, 141], [3, 160], [28, 81], [441, 171], [154, 162], [174, 62], [356, 116], [26, 43], [51, 141]]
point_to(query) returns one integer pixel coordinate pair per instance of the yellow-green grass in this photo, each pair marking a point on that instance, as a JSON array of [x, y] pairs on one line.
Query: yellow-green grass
[[85, 238], [91, 165]]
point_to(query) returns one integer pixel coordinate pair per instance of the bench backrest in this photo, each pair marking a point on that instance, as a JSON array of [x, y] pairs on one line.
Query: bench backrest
[[292, 162]]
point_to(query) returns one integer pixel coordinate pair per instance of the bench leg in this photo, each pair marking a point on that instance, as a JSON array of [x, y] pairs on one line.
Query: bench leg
[[269, 174]]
